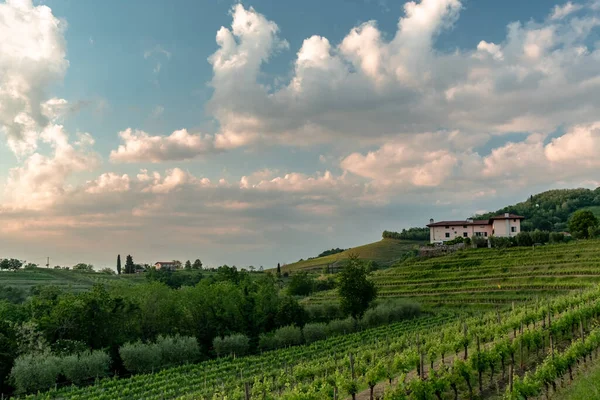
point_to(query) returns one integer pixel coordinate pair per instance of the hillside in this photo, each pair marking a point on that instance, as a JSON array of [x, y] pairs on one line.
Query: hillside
[[69, 280], [550, 210], [384, 252], [490, 276]]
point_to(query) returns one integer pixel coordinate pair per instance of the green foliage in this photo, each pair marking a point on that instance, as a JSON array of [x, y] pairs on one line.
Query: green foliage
[[420, 234], [197, 264], [301, 284], [83, 267], [108, 271], [583, 224], [288, 336], [139, 357], [33, 372], [10, 264], [129, 265], [84, 367], [188, 264], [119, 264], [524, 239], [557, 237], [237, 344], [331, 252], [12, 294], [173, 279], [315, 331], [177, 350], [500, 242], [388, 313], [356, 292]]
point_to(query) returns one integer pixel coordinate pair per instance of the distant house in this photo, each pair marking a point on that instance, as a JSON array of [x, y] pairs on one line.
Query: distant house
[[506, 225], [166, 265]]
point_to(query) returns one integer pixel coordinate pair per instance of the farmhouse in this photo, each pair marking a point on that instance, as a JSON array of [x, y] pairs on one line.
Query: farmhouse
[[506, 225], [167, 265]]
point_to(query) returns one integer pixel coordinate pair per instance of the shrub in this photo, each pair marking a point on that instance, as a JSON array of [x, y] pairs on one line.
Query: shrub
[[31, 372], [288, 336], [324, 312], [524, 239], [176, 350], [266, 341], [557, 237], [314, 332], [237, 344], [340, 327], [301, 284], [79, 368], [538, 236], [139, 357], [479, 241], [500, 242], [389, 312]]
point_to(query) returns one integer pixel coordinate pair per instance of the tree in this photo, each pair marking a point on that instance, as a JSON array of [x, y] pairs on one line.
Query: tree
[[278, 270], [582, 223], [119, 264], [301, 284], [83, 267], [11, 264], [188, 264], [355, 290], [129, 265], [197, 264]]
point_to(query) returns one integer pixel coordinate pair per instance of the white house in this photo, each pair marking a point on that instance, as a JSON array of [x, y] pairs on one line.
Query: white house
[[506, 225]]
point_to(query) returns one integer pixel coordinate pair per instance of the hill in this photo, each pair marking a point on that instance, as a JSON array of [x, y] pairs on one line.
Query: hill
[[489, 276], [550, 210], [75, 281], [384, 252]]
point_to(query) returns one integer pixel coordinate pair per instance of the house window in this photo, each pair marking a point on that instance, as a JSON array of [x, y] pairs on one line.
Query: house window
[[485, 234], [447, 234], [465, 234], [464, 226], [514, 220], [477, 233], [447, 226], [513, 229]]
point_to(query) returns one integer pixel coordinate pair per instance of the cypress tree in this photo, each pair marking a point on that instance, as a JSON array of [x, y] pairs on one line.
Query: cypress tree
[[119, 264], [188, 264], [129, 266], [278, 270]]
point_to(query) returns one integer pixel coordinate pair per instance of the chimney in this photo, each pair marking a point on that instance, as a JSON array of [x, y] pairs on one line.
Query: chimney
[[470, 220], [431, 220], [506, 215]]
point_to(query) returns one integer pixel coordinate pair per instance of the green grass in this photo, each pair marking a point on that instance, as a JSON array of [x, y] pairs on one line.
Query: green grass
[[585, 386], [69, 280], [385, 252]]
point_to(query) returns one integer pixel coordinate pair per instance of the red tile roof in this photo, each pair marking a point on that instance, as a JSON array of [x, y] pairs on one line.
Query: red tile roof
[[510, 216], [461, 223]]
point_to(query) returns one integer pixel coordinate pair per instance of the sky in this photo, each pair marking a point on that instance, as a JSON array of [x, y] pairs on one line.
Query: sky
[[257, 132]]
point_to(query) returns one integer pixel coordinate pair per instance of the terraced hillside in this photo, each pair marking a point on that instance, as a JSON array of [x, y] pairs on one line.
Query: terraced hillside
[[68, 280], [384, 252], [490, 276]]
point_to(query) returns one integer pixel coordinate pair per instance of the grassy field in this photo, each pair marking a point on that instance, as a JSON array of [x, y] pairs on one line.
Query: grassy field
[[68, 280], [385, 252], [490, 276]]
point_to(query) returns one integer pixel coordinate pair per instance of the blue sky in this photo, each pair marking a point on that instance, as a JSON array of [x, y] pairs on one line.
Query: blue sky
[[313, 126]]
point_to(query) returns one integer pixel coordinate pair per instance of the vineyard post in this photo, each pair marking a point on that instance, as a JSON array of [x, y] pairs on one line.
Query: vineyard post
[[421, 365], [551, 345], [247, 390], [479, 370], [466, 341], [521, 352], [335, 393], [510, 377], [352, 365]]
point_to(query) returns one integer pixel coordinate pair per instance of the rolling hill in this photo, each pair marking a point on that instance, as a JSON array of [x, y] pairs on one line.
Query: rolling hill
[[384, 252]]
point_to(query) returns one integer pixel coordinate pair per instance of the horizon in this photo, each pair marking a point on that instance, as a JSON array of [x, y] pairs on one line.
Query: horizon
[[249, 133]]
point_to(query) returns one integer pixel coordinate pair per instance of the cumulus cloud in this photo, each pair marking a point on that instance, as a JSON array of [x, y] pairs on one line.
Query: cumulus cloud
[[139, 146], [32, 57], [108, 182], [561, 11], [541, 76]]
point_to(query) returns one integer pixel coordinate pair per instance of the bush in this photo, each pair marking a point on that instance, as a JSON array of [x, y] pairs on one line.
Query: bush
[[538, 236], [389, 312], [301, 284], [288, 336], [266, 341], [557, 237], [524, 239], [340, 327], [139, 357], [31, 373], [81, 368], [500, 242], [324, 312], [176, 350], [237, 344], [314, 332]]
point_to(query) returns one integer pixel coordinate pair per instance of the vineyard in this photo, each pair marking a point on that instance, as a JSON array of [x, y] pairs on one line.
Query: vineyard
[[490, 276], [432, 356]]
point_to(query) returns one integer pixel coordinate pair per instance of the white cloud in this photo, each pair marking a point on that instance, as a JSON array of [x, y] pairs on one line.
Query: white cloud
[[579, 146], [32, 57], [108, 182], [559, 12], [139, 146]]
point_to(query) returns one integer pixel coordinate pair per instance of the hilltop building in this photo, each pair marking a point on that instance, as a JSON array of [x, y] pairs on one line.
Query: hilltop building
[[167, 265], [506, 225]]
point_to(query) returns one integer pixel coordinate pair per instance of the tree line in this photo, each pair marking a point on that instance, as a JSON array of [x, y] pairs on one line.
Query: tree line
[[415, 233]]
